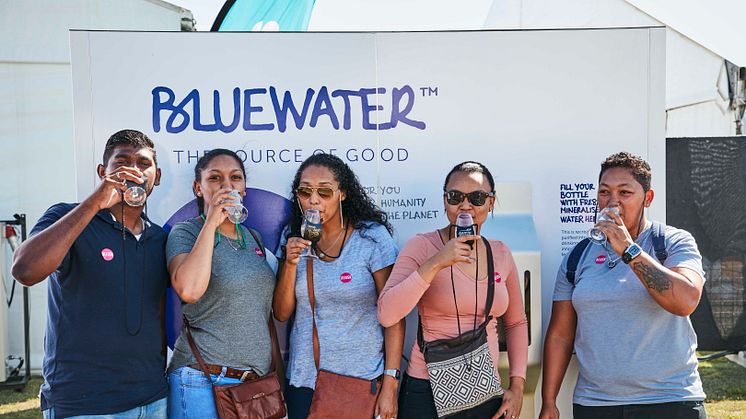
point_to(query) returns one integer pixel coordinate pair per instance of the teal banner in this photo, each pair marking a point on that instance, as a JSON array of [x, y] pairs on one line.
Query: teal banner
[[264, 15]]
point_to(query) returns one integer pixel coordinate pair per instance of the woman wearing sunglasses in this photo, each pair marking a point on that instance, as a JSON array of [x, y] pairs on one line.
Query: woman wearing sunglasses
[[350, 266], [446, 278], [219, 271]]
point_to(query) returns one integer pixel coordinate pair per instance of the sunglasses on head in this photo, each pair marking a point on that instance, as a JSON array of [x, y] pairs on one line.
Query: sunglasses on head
[[324, 192], [476, 198]]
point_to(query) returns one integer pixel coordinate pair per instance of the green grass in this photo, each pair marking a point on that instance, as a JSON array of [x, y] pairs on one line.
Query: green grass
[[21, 404], [726, 409], [725, 386], [724, 383], [723, 380]]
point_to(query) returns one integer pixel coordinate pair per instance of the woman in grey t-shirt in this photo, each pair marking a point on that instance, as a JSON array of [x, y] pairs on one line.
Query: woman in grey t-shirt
[[354, 259], [625, 312], [219, 271]]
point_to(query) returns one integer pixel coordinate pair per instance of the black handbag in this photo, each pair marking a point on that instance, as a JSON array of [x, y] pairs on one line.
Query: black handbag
[[461, 369]]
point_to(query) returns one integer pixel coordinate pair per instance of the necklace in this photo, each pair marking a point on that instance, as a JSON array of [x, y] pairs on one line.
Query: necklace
[[142, 223], [240, 239], [476, 300], [132, 328], [612, 262], [323, 254]]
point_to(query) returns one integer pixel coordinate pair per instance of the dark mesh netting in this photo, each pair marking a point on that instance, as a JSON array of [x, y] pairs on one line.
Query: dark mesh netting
[[706, 195]]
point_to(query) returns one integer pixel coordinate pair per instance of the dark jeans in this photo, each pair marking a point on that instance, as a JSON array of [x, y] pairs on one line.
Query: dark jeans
[[416, 402], [298, 400], [674, 410]]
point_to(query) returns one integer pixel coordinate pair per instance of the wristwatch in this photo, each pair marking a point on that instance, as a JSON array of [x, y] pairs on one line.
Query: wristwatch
[[393, 373], [631, 252]]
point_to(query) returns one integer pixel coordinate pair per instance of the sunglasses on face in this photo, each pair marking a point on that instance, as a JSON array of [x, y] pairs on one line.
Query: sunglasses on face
[[306, 192], [476, 198]]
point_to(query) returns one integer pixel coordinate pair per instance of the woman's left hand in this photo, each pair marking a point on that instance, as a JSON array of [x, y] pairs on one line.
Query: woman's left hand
[[387, 405], [512, 401]]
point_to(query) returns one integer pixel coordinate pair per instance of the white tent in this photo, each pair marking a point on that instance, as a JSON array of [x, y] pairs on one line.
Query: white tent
[[36, 116], [717, 25], [700, 36]]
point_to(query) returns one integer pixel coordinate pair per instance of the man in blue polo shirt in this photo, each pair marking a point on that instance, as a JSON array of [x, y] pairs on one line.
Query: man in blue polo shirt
[[104, 351]]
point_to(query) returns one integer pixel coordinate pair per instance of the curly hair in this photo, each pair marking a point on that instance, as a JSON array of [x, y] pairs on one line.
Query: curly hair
[[637, 165], [204, 161], [358, 208]]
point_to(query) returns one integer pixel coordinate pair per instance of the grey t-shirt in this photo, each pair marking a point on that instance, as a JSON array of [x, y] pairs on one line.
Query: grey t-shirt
[[350, 336], [630, 350], [230, 322]]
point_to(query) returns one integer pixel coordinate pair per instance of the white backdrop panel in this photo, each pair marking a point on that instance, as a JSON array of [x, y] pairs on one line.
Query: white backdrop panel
[[539, 106]]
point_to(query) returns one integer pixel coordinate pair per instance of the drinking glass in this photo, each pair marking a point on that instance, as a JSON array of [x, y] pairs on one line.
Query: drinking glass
[[595, 233], [135, 195], [236, 213], [310, 229]]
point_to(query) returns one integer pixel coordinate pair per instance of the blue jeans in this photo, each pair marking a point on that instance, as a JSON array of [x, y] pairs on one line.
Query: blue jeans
[[155, 410], [190, 394], [298, 400]]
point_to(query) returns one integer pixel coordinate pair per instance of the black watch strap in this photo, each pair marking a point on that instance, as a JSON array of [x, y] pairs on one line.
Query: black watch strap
[[633, 251]]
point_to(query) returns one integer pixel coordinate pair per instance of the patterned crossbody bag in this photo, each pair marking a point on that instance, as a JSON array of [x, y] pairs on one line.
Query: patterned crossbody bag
[[461, 370]]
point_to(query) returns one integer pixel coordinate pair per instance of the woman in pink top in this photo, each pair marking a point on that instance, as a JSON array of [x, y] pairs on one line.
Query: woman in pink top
[[422, 277]]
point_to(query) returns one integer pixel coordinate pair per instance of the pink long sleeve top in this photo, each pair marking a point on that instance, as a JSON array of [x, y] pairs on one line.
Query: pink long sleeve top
[[406, 289]]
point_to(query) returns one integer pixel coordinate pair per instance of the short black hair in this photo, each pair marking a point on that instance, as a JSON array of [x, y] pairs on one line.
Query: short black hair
[[471, 167], [637, 165], [205, 160], [128, 137]]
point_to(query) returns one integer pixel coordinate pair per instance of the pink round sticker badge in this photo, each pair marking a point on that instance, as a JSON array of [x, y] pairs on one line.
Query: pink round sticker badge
[[498, 278], [600, 259], [345, 277], [107, 254]]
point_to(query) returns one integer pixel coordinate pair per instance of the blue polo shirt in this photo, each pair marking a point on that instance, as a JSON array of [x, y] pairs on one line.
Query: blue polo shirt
[[104, 349]]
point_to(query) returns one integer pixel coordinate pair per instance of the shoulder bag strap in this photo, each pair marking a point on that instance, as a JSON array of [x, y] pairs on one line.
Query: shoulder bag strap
[[202, 364], [311, 300], [488, 301], [490, 281], [258, 242], [276, 357], [420, 338], [195, 351]]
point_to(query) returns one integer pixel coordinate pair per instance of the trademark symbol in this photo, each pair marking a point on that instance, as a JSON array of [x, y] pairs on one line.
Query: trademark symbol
[[429, 91]]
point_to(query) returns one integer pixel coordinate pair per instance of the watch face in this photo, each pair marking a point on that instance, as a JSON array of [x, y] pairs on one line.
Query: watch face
[[632, 252]]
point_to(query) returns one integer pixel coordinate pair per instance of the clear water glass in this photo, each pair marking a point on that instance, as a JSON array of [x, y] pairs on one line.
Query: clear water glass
[[595, 233], [236, 213], [135, 195]]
